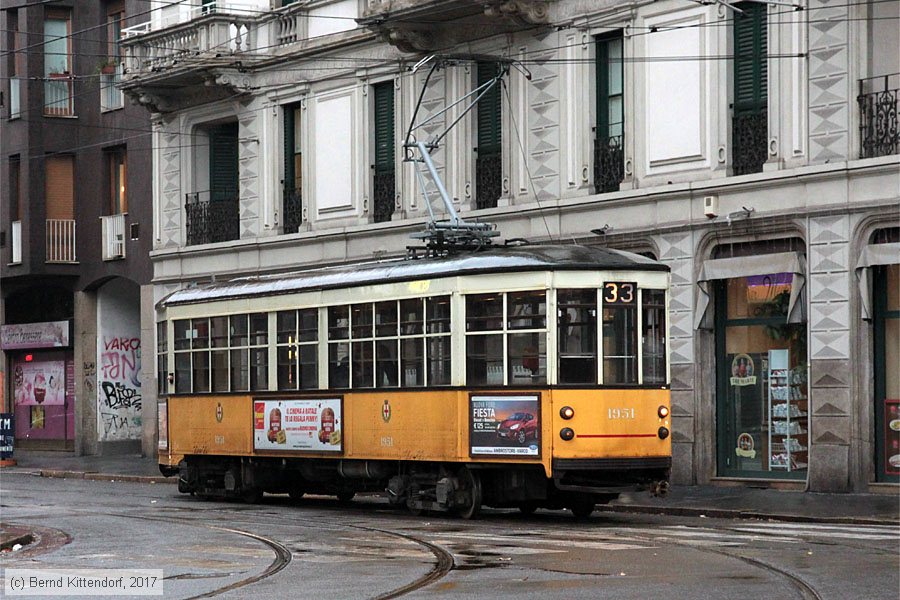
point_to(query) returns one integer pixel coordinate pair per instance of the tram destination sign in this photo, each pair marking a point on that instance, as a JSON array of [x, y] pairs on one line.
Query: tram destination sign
[[505, 425]]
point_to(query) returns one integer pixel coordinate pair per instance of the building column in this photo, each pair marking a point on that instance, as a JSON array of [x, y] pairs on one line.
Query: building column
[[150, 394], [85, 348]]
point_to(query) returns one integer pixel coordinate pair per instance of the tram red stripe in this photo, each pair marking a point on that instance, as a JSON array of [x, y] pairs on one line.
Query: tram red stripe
[[622, 435]]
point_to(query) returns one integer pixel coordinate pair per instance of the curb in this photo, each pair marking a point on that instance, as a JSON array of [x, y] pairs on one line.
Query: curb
[[717, 513], [94, 476]]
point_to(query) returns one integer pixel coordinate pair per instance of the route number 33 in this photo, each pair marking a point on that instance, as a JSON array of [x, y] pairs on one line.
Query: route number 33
[[619, 293]]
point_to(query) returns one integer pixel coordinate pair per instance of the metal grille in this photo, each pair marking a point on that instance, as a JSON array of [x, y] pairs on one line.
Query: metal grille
[[293, 210], [609, 164], [209, 222], [749, 142], [488, 179], [60, 240], [877, 100], [384, 196]]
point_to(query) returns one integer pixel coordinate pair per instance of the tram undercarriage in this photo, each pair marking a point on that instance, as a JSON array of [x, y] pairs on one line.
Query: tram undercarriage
[[456, 488]]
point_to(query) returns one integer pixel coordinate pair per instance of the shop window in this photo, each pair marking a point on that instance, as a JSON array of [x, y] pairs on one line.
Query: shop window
[[886, 325]]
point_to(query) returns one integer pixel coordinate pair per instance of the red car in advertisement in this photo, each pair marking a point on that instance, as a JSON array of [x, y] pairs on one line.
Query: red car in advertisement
[[518, 426]]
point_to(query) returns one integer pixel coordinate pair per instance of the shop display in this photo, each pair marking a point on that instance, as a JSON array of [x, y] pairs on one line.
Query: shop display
[[788, 413]]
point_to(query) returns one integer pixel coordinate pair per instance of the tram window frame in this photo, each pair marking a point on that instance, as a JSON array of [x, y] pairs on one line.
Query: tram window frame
[[297, 349], [583, 301], [162, 358], [490, 335], [438, 340], [654, 354], [338, 346], [617, 302]]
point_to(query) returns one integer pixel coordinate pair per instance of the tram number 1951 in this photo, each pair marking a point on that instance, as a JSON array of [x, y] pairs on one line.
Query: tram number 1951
[[620, 413]]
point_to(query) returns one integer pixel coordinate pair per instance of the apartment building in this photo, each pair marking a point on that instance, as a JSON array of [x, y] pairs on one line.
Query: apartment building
[[751, 146], [75, 230]]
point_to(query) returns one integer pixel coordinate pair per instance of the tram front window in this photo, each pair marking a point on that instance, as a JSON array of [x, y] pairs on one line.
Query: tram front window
[[619, 333]]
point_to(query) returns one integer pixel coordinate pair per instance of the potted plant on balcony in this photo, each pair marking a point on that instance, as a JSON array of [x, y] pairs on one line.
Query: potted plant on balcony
[[59, 75], [109, 67]]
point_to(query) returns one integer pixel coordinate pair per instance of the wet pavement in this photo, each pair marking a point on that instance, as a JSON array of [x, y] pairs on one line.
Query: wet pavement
[[711, 501]]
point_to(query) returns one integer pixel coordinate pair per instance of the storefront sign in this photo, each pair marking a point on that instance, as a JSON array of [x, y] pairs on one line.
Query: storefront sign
[[745, 446], [41, 383], [305, 425], [743, 371], [25, 336], [505, 425], [7, 435]]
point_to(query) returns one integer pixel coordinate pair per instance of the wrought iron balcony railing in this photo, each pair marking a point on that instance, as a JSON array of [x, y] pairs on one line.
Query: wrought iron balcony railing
[[749, 145], [211, 220], [488, 179], [384, 196], [60, 241], [292, 210], [609, 163], [878, 99]]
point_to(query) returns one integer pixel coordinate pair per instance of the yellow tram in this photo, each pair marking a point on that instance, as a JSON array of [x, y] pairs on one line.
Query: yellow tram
[[520, 376]]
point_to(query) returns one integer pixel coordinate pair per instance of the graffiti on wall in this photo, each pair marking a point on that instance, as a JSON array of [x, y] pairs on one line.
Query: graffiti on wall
[[119, 394]]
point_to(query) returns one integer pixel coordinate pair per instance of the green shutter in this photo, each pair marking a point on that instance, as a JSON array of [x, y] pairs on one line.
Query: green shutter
[[609, 101], [223, 162], [489, 128], [384, 126], [750, 58]]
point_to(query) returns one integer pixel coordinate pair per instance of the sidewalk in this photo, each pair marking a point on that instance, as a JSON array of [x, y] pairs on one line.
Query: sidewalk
[[696, 501]]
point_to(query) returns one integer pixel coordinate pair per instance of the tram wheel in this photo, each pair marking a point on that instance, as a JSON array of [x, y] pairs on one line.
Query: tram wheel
[[582, 509], [296, 494], [527, 508], [345, 496], [470, 482]]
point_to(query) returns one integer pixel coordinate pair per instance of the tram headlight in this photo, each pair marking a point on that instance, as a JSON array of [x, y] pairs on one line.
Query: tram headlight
[[663, 412], [567, 433], [663, 433], [567, 412]]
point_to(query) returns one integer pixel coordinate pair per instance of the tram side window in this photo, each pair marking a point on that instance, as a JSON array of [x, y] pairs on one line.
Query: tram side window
[[577, 322], [338, 350], [437, 316], [484, 351], [387, 365], [162, 347], [182, 345], [527, 348], [297, 339], [653, 336], [200, 354], [619, 333], [361, 349], [520, 318], [249, 335], [219, 360]]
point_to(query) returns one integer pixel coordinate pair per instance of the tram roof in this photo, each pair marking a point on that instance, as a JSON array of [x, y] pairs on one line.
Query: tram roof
[[503, 259]]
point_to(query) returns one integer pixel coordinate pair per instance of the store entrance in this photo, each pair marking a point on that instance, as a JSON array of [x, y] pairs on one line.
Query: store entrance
[[43, 386], [762, 402]]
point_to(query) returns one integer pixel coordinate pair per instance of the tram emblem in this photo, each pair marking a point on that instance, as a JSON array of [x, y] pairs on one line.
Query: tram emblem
[[386, 411], [219, 412]]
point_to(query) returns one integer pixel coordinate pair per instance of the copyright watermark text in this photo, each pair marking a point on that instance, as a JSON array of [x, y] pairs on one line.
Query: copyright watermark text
[[83, 582]]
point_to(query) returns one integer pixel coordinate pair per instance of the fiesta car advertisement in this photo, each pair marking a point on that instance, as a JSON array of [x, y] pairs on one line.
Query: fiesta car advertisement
[[307, 425], [505, 425]]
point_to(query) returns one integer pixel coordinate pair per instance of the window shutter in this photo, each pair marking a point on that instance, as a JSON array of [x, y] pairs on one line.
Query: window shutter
[[223, 162], [60, 187], [489, 132], [750, 58], [384, 126], [289, 124]]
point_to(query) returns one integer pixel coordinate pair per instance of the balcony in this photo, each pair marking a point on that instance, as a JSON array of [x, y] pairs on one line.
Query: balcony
[[609, 164], [488, 178], [385, 192], [749, 145], [214, 45], [209, 221], [61, 241], [878, 133], [58, 95], [113, 236], [16, 243], [293, 210], [417, 26]]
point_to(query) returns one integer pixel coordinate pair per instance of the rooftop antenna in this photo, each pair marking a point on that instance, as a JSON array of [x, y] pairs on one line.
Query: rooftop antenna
[[454, 234]]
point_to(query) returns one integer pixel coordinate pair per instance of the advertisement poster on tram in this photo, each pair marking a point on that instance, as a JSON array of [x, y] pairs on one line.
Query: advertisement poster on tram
[[312, 425], [505, 425]]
